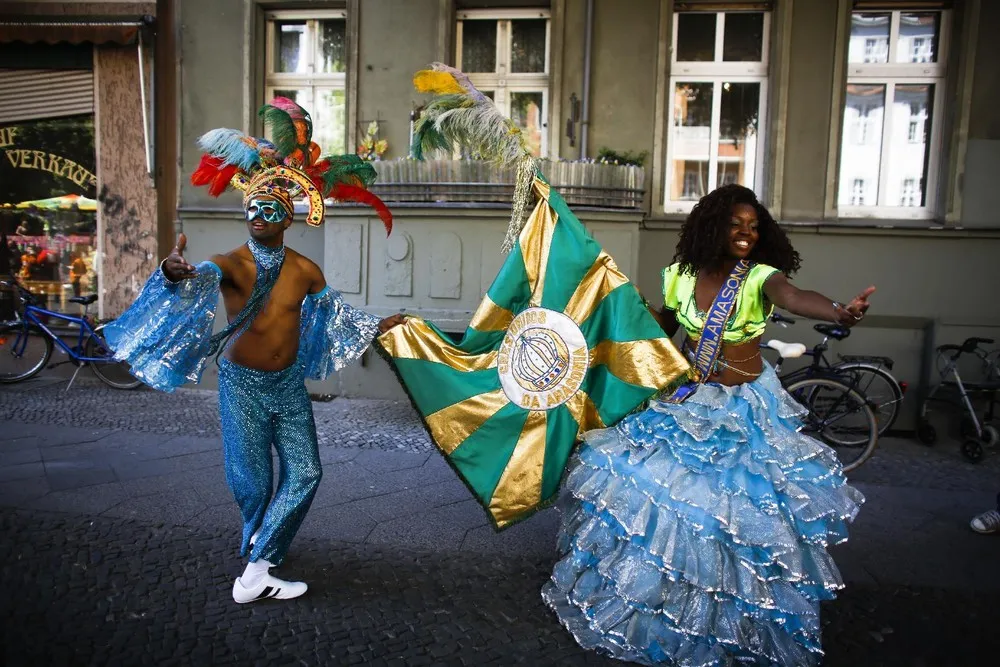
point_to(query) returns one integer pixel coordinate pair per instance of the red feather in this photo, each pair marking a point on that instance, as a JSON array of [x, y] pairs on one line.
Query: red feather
[[345, 192], [212, 172], [315, 173]]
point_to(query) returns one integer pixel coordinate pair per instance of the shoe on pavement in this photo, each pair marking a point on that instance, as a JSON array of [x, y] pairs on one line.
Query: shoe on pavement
[[987, 522], [268, 587]]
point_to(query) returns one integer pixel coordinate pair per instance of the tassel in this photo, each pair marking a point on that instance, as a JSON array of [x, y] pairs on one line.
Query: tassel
[[344, 192]]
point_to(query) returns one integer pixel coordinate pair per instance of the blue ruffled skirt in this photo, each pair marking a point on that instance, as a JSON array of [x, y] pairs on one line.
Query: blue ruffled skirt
[[696, 534]]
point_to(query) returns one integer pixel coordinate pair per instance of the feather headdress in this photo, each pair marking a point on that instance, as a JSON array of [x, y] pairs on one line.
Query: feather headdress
[[460, 114], [291, 162]]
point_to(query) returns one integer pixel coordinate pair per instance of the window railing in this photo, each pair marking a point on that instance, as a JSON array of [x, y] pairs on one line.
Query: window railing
[[593, 184]]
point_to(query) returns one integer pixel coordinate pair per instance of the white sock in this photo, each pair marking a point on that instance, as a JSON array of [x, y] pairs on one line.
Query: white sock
[[253, 538], [254, 573]]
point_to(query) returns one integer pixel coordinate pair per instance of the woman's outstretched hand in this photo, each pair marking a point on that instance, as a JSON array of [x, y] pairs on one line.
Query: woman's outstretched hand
[[854, 312]]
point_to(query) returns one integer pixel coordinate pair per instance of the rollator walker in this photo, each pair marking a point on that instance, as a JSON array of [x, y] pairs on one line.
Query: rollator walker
[[977, 434]]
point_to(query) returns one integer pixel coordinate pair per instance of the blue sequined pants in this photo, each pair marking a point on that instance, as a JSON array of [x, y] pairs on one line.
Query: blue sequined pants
[[260, 409]]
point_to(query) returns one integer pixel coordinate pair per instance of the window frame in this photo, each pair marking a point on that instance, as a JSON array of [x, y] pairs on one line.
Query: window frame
[[891, 74], [716, 72], [502, 82], [309, 80]]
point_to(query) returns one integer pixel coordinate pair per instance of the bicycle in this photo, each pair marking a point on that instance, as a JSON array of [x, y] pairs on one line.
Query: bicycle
[[869, 375], [837, 413], [27, 342]]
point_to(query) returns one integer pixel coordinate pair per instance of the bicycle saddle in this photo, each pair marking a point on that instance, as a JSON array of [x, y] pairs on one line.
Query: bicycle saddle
[[834, 331], [787, 350], [83, 300]]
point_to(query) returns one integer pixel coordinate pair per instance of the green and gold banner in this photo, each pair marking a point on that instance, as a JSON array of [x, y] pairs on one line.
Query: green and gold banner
[[561, 343]]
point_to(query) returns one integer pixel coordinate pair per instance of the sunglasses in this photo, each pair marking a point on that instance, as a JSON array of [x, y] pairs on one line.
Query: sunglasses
[[266, 210]]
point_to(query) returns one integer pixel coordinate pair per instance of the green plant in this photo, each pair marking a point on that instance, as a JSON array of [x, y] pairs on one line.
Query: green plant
[[626, 158]]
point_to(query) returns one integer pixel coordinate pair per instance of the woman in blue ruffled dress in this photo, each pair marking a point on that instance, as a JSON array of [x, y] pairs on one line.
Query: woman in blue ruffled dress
[[695, 532]]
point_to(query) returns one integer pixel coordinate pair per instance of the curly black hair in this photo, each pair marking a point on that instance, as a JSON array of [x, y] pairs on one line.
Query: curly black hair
[[705, 234]]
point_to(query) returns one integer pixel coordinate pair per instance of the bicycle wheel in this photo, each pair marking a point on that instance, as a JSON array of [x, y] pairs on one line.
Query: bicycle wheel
[[879, 387], [112, 373], [839, 416], [24, 351]]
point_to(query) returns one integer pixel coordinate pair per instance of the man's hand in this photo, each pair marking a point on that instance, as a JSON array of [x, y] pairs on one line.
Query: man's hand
[[390, 322], [175, 267]]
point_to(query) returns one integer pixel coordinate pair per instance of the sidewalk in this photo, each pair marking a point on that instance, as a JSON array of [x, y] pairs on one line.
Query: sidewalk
[[120, 497]]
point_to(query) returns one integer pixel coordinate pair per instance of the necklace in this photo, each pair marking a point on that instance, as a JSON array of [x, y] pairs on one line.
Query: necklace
[[267, 258]]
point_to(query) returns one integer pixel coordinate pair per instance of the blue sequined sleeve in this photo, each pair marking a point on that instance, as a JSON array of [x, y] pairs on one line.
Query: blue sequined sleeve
[[165, 334], [333, 334]]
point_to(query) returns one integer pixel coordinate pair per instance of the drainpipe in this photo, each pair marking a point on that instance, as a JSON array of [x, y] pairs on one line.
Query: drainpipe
[[587, 45]]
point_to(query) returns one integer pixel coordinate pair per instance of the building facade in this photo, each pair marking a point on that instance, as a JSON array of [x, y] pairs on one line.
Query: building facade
[[867, 128], [81, 84]]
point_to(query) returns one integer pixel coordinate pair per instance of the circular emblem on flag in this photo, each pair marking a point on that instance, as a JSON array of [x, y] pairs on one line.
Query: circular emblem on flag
[[542, 360]]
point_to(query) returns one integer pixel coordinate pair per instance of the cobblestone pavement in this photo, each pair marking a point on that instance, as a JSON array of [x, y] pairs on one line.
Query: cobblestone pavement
[[81, 591], [117, 547], [394, 426], [340, 422]]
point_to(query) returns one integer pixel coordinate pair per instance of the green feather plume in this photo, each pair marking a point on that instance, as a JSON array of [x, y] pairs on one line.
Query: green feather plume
[[471, 120]]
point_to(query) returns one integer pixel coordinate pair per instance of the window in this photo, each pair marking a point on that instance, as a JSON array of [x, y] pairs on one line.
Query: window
[[719, 86], [858, 192], [909, 192], [890, 140], [506, 55], [307, 62]]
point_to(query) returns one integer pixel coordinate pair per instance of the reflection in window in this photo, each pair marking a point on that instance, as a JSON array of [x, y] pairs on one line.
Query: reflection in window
[[861, 149], [332, 47], [479, 46], [527, 46], [869, 42], [50, 184], [691, 137], [291, 37], [744, 37], [526, 112], [858, 192], [918, 35], [737, 149], [330, 120], [696, 37], [907, 159], [909, 195]]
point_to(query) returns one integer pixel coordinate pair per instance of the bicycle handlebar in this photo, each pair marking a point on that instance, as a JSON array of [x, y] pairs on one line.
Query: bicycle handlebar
[[784, 321], [22, 291]]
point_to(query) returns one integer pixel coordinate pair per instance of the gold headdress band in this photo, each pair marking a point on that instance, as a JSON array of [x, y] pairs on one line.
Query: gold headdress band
[[265, 183]]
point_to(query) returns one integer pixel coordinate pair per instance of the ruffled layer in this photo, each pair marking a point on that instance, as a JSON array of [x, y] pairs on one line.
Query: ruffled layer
[[697, 533], [333, 334], [165, 335]]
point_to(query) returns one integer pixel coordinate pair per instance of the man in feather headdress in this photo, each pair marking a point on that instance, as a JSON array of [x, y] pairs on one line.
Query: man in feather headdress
[[284, 325]]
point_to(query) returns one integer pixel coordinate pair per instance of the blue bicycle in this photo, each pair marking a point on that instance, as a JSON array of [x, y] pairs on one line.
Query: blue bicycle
[[26, 343]]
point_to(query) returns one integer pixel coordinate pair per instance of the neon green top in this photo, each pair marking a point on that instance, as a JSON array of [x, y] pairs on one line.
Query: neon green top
[[749, 316]]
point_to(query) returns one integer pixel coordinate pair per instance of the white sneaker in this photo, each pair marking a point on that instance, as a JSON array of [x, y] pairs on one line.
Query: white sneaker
[[268, 587], [987, 522]]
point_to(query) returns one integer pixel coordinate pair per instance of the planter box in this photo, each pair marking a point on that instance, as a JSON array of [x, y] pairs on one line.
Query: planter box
[[437, 181]]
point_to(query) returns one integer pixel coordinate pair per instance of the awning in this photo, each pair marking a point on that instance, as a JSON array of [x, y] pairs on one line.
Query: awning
[[75, 30]]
